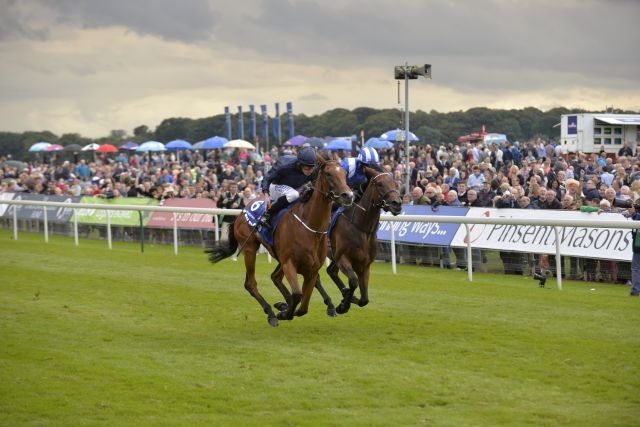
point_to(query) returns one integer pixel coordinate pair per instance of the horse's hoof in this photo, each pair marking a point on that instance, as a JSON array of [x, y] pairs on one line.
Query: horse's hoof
[[281, 306], [282, 315], [273, 322], [331, 312], [363, 303], [342, 308]]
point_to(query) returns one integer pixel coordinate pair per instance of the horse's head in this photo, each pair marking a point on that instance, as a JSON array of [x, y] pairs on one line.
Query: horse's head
[[332, 181], [386, 193]]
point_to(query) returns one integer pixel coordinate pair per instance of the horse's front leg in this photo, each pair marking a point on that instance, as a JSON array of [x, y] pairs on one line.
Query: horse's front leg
[[276, 278], [363, 283], [347, 296], [291, 274], [309, 283], [331, 309]]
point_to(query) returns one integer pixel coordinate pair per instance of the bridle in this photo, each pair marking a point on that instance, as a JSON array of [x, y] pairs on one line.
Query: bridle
[[327, 194], [382, 202]]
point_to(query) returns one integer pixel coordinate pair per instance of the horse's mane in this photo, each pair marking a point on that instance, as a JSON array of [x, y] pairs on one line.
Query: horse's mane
[[376, 167]]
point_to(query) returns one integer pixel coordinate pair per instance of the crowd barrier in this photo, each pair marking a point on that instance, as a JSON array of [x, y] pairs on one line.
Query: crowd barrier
[[559, 233]]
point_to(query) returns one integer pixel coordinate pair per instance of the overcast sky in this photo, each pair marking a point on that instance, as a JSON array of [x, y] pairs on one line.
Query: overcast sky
[[96, 65]]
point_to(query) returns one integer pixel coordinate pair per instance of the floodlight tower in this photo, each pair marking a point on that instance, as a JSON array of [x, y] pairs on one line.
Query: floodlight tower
[[409, 72]]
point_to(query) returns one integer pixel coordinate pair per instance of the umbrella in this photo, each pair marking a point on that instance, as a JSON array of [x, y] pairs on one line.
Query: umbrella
[[378, 144], [339, 144], [151, 146], [178, 144], [296, 141], [107, 148], [211, 143], [315, 142], [73, 147], [39, 146], [55, 147], [239, 143], [130, 146], [398, 135], [15, 163], [90, 147]]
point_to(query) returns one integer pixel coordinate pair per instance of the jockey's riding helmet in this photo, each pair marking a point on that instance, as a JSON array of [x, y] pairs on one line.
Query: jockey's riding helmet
[[307, 156], [369, 156]]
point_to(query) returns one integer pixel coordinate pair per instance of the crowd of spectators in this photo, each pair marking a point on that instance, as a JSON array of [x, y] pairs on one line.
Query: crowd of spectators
[[532, 175]]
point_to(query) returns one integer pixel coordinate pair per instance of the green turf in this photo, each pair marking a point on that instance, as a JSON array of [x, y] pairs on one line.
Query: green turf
[[92, 336]]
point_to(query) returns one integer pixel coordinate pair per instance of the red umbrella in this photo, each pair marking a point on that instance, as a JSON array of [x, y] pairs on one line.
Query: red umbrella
[[55, 147], [107, 148]]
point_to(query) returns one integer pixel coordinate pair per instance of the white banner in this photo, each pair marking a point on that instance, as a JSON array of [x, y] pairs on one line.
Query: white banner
[[602, 243], [4, 206]]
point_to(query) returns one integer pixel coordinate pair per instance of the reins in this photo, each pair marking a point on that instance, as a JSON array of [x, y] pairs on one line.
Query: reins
[[382, 203]]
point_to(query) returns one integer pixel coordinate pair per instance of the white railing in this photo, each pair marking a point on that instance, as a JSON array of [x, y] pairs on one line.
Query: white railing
[[555, 223]]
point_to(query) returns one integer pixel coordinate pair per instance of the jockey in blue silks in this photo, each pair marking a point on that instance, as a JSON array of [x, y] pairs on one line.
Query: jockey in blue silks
[[356, 178], [283, 180]]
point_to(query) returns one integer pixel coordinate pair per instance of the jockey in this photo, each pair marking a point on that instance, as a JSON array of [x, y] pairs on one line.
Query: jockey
[[281, 183], [356, 178]]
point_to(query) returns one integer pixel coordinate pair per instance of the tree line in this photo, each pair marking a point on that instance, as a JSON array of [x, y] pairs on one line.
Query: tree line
[[431, 127]]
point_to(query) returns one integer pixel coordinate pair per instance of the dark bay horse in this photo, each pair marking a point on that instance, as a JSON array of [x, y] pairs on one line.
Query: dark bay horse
[[354, 238], [300, 242]]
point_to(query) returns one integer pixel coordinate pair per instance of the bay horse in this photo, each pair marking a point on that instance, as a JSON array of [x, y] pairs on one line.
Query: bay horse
[[354, 238], [354, 241], [300, 241]]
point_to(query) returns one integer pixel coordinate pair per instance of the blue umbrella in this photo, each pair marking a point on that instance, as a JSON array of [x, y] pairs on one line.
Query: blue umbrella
[[39, 146], [339, 144], [211, 143], [398, 135], [296, 141], [378, 144], [151, 146], [129, 146], [178, 144]]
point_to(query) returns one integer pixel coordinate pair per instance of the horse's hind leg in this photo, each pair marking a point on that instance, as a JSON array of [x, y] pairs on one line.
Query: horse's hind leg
[[331, 309], [251, 285], [276, 278]]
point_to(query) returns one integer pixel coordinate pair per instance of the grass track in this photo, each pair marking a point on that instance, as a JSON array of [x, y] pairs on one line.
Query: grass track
[[92, 336]]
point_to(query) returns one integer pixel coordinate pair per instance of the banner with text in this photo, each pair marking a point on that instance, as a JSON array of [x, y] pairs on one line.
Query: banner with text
[[422, 233], [59, 215], [129, 218], [602, 243], [184, 219]]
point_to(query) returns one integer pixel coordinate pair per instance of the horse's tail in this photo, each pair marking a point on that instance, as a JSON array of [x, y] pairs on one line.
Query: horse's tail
[[222, 248]]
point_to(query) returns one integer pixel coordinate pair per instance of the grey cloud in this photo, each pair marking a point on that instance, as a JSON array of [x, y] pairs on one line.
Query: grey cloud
[[186, 21], [593, 40]]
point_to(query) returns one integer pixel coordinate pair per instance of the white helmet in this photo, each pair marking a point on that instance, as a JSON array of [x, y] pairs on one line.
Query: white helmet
[[369, 156]]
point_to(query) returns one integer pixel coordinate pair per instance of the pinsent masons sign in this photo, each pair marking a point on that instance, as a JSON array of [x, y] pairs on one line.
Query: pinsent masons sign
[[586, 242]]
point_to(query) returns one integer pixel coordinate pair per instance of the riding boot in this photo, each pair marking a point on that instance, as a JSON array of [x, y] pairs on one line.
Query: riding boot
[[275, 207]]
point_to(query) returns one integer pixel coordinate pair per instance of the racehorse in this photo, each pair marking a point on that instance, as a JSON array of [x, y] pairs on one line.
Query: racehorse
[[300, 241], [354, 238], [354, 241]]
